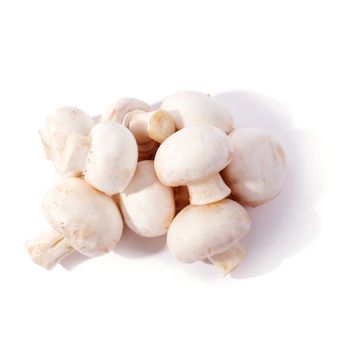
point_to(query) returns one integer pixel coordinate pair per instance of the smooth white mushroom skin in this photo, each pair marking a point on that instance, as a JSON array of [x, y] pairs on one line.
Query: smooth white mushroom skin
[[112, 159], [120, 108], [146, 126], [196, 108], [88, 219], [59, 126], [258, 169], [48, 249], [193, 156], [199, 232], [148, 207]]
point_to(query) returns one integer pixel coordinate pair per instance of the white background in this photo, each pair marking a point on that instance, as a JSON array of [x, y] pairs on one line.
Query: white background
[[282, 65]]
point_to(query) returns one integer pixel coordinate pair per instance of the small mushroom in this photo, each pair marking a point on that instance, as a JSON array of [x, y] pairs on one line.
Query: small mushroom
[[146, 126], [196, 108], [194, 156], [258, 170], [118, 110], [67, 124], [112, 159], [82, 218], [147, 206], [211, 231]]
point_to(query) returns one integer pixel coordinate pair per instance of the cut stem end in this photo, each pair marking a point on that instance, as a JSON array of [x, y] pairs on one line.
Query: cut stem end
[[227, 261]]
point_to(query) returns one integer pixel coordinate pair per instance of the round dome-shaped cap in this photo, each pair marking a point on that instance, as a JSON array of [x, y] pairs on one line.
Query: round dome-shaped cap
[[148, 207], [258, 169], [199, 232], [196, 108], [112, 159], [88, 219], [192, 154]]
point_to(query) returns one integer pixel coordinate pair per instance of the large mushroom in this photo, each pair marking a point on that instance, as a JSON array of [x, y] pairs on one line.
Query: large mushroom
[[258, 169], [81, 218], [65, 139], [211, 231], [112, 159], [147, 206], [196, 108], [194, 156]]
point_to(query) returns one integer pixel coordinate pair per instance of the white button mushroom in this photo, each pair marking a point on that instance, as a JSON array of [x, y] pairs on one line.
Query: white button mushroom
[[82, 218], [211, 232], [117, 111], [146, 126], [196, 108], [194, 156], [112, 159], [147, 206], [258, 170], [67, 124]]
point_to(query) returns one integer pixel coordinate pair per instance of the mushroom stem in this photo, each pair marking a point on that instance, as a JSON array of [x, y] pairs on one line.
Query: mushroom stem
[[146, 126], [48, 249], [75, 154], [228, 260], [207, 191]]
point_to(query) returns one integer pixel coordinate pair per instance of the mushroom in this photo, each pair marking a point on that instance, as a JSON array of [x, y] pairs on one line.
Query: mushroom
[[112, 159], [258, 170], [146, 126], [196, 108], [147, 206], [67, 125], [118, 110], [82, 218], [211, 231], [194, 156]]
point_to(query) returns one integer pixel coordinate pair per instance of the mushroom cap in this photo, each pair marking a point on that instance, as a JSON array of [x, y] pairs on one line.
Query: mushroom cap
[[201, 231], [192, 154], [258, 169], [88, 219], [196, 108], [112, 159], [148, 207], [118, 109], [59, 125]]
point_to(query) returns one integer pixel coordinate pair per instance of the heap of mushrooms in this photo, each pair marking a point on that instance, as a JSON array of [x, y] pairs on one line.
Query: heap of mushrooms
[[182, 170]]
